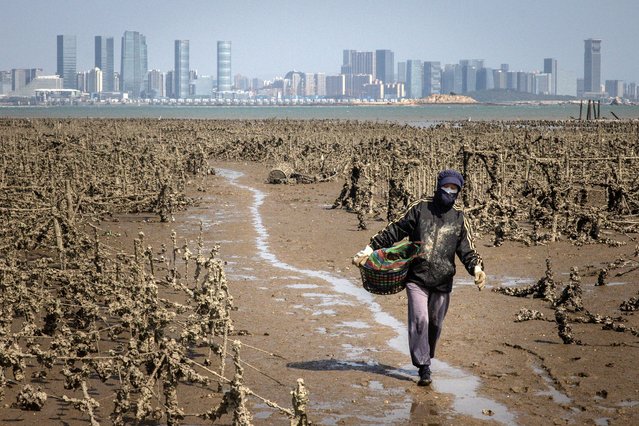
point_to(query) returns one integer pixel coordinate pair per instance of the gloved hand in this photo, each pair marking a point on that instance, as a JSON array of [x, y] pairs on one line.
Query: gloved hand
[[480, 277], [362, 256]]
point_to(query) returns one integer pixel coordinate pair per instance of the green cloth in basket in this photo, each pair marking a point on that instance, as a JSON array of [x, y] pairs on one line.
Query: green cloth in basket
[[392, 258], [385, 270]]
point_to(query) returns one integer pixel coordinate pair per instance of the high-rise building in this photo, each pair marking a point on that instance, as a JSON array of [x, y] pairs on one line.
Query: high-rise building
[[320, 84], [385, 65], [524, 82], [223, 66], [241, 82], [374, 90], [401, 72], [414, 78], [592, 66], [169, 82], [5, 82], [95, 80], [355, 62], [550, 67], [134, 63], [504, 67], [511, 80], [81, 81], [67, 58], [485, 79], [20, 77], [181, 69], [359, 82], [309, 84], [104, 61], [499, 79], [630, 91], [614, 88], [452, 79], [155, 84], [335, 86], [394, 91], [432, 78], [542, 84], [469, 78]]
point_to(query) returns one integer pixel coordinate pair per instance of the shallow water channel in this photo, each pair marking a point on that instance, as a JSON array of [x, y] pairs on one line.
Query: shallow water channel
[[449, 379]]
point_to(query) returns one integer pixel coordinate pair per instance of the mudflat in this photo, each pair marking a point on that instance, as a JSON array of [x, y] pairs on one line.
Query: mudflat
[[299, 310]]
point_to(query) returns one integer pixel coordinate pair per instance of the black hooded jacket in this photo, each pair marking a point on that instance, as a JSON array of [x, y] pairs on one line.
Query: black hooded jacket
[[444, 233]]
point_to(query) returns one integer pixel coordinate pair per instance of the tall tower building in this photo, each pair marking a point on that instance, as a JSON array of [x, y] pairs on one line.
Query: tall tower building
[[414, 77], [224, 66], [320, 84], [155, 84], [169, 83], [401, 72], [592, 66], [181, 69], [385, 65], [67, 58], [432, 78], [134, 65], [355, 62], [94, 80], [104, 61], [550, 67]]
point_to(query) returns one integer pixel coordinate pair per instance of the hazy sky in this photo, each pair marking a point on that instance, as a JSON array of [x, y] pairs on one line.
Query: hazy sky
[[271, 37]]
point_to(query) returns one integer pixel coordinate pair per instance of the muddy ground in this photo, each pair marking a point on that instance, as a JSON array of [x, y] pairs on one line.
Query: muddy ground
[[302, 313]]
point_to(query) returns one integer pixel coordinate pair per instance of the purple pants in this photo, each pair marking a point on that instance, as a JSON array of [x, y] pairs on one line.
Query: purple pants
[[426, 312]]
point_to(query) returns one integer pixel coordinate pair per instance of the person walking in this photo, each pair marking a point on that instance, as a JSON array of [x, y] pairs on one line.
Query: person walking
[[443, 230]]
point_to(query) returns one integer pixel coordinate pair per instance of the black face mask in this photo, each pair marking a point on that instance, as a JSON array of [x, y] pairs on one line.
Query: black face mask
[[445, 199]]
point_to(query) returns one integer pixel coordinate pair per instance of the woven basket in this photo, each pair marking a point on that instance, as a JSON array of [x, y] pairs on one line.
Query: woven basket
[[384, 282]]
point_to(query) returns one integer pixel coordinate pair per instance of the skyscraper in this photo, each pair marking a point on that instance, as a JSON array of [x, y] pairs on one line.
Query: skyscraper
[[385, 65], [452, 79], [550, 67], [21, 77], [170, 82], [355, 62], [181, 69], [134, 65], [155, 84], [223, 66], [401, 72], [94, 80], [320, 84], [104, 61], [485, 79], [67, 60], [592, 66], [414, 77], [432, 78], [335, 85]]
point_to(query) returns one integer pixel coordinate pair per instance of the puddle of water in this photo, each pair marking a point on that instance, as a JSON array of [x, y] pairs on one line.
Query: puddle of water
[[449, 380], [239, 277], [628, 404], [302, 286], [327, 299], [375, 385], [556, 395], [354, 324], [325, 312], [602, 421]]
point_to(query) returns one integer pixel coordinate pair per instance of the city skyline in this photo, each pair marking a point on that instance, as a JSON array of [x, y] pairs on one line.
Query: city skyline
[[311, 38]]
